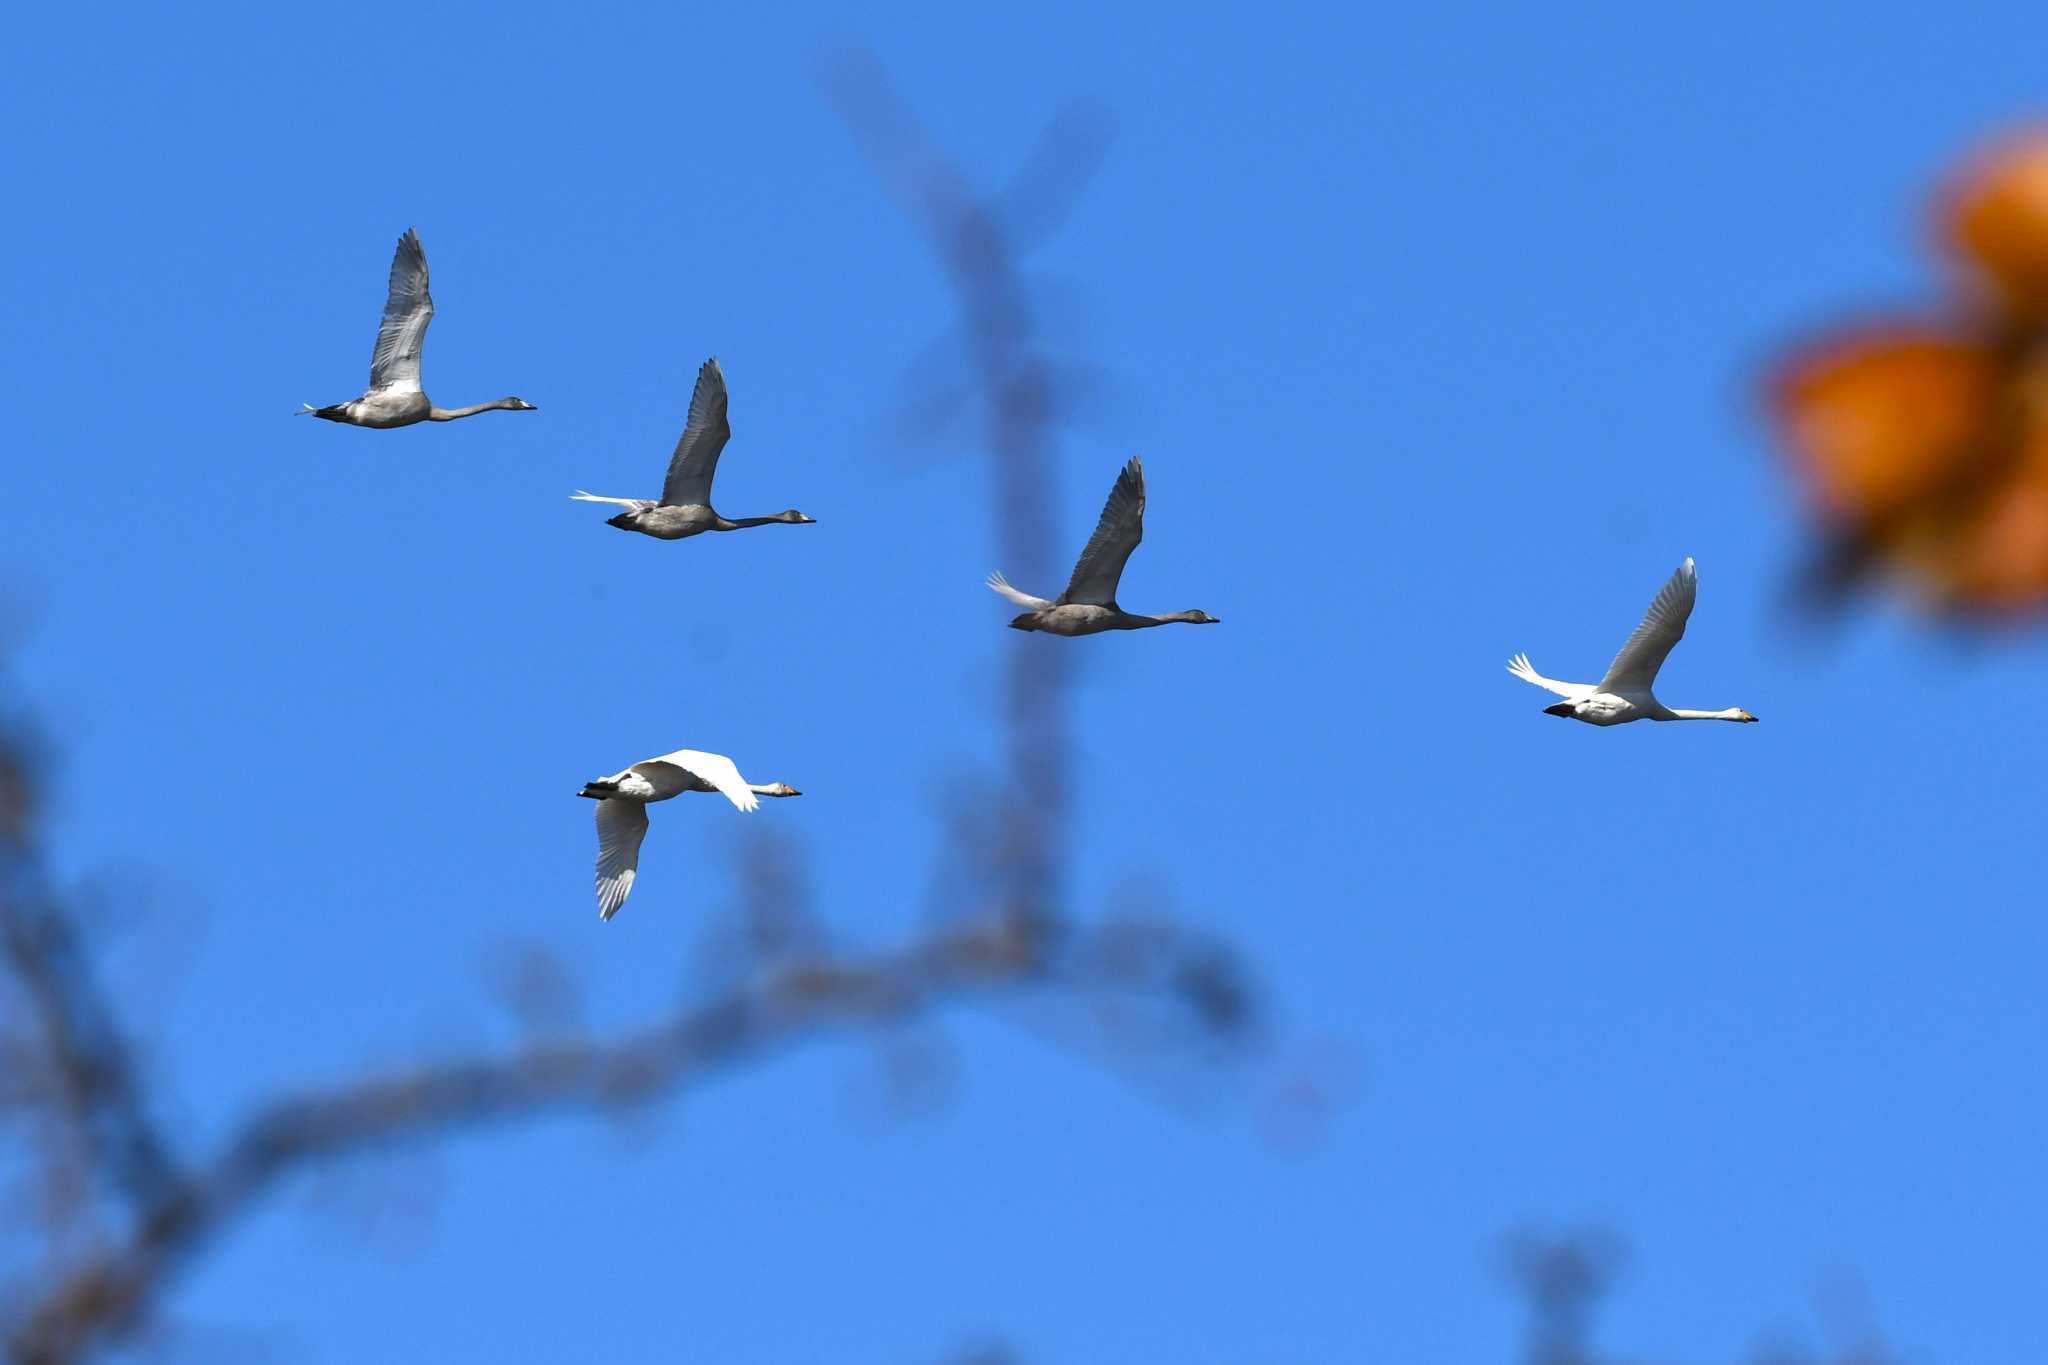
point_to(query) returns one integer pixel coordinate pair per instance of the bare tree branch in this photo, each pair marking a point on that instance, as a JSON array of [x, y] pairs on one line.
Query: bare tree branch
[[1022, 413], [802, 1002], [1564, 1277], [68, 1048]]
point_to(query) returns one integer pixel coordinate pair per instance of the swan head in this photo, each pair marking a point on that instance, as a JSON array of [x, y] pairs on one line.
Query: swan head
[[1199, 618], [624, 521], [796, 518], [520, 405], [596, 791], [780, 789], [1744, 716], [1563, 708]]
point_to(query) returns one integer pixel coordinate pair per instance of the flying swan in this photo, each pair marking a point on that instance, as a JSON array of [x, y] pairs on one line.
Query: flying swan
[[1624, 694], [394, 398], [1088, 606], [622, 802], [685, 506]]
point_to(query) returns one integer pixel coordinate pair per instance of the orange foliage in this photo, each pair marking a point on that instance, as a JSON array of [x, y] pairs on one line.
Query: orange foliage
[[1995, 218], [1925, 444], [1887, 418]]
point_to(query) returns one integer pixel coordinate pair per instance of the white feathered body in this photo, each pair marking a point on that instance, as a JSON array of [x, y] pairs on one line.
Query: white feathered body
[[1624, 694], [1611, 708], [659, 779], [622, 802]]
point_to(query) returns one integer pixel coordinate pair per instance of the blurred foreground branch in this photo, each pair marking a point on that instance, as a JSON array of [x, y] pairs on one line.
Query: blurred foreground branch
[[185, 1210], [974, 238], [1565, 1276]]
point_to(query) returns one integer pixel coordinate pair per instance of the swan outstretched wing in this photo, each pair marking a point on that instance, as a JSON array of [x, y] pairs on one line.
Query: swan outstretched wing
[[1022, 599], [1523, 669], [716, 769], [1122, 526], [696, 458], [621, 825], [408, 308], [1635, 668]]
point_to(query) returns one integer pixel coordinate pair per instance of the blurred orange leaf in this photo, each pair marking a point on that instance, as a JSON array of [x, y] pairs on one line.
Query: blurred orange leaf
[[1924, 442], [2003, 562], [1995, 217], [1882, 420]]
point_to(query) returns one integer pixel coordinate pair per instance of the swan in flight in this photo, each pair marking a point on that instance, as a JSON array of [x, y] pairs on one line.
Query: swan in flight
[[685, 506], [1624, 694], [1088, 606], [394, 398], [622, 809]]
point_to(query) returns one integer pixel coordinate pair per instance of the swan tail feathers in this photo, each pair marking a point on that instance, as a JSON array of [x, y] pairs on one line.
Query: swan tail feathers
[[999, 584], [1523, 669]]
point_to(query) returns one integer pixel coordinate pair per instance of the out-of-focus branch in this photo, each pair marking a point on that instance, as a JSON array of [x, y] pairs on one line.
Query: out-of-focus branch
[[800, 1002], [975, 239], [64, 1046], [1564, 1277]]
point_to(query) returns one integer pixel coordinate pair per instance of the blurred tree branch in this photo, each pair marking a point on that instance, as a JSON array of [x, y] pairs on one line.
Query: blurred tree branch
[[1564, 1276], [974, 239], [124, 1210]]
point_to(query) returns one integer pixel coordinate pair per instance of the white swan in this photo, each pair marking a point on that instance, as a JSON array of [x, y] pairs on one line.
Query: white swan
[[394, 398], [622, 809], [1088, 606], [685, 506], [1624, 694]]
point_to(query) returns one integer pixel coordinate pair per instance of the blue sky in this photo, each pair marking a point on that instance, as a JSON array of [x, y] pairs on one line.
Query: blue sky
[[1439, 334]]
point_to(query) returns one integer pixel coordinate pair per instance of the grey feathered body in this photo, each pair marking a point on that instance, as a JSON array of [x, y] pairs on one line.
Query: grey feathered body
[[1081, 618], [1089, 606], [684, 508], [395, 397], [380, 408], [667, 523]]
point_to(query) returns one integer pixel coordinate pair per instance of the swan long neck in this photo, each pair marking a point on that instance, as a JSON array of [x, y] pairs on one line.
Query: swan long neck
[[1732, 713], [790, 518], [450, 414], [1176, 617]]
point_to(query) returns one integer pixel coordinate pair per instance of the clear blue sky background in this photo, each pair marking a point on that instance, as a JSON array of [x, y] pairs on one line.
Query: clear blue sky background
[[1438, 328]]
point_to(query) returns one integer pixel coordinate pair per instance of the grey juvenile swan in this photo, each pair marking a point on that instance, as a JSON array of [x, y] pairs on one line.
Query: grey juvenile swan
[[685, 507], [1624, 694], [622, 802], [394, 398], [1088, 606]]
